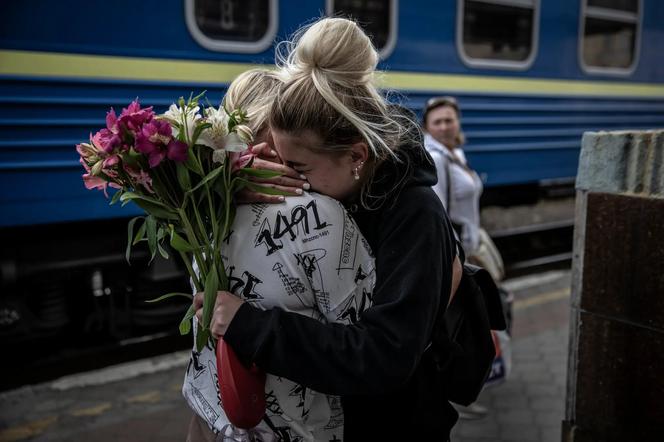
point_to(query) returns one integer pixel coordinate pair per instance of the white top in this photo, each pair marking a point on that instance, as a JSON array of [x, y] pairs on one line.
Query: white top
[[465, 190], [306, 256]]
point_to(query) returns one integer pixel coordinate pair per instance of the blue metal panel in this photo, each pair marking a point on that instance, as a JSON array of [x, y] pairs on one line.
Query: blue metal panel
[[40, 124], [512, 139]]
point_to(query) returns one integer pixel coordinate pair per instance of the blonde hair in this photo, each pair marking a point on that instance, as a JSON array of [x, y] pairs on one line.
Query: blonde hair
[[253, 92], [328, 88]]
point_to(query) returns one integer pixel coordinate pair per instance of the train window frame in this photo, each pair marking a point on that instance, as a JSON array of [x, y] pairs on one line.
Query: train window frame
[[615, 14], [218, 45], [392, 34], [492, 63]]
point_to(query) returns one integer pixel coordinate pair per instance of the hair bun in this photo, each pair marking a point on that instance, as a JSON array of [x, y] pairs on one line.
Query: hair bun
[[338, 48]]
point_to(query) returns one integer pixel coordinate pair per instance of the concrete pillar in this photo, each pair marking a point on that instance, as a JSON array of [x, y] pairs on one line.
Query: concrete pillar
[[615, 384]]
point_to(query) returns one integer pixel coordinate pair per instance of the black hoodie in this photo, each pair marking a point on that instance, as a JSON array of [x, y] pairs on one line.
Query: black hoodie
[[376, 364]]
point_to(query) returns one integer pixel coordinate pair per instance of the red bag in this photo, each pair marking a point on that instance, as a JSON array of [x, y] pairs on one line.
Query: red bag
[[242, 389]]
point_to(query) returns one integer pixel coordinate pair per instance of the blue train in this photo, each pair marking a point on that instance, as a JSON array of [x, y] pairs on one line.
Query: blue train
[[530, 75]]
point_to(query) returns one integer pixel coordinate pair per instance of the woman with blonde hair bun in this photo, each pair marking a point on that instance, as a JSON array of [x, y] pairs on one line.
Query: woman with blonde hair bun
[[329, 122], [301, 268]]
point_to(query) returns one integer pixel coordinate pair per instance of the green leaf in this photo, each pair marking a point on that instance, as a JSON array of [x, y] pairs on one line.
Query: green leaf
[[141, 233], [202, 337], [209, 177], [211, 287], [130, 234], [267, 190], [116, 197], [150, 205], [151, 221], [171, 295], [162, 251], [260, 173], [185, 324], [179, 243], [183, 176], [192, 163], [157, 211]]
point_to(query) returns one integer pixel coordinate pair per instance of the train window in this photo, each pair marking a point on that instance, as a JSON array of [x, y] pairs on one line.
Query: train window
[[609, 36], [232, 25], [377, 17], [498, 33]]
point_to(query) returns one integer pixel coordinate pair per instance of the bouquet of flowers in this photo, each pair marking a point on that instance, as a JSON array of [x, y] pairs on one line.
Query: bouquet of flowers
[[183, 168]]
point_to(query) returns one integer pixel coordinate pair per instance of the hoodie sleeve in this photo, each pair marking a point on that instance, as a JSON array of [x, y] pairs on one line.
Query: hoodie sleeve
[[379, 352]]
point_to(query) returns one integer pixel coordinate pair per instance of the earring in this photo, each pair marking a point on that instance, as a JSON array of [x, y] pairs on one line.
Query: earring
[[356, 171]]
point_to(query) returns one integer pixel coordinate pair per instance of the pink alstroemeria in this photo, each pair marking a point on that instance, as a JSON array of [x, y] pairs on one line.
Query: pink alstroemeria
[[177, 151], [140, 177], [109, 138], [94, 182], [156, 141], [240, 159], [133, 117], [111, 161]]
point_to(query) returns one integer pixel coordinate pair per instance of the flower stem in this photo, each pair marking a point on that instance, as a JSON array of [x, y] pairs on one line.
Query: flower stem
[[192, 273], [193, 240]]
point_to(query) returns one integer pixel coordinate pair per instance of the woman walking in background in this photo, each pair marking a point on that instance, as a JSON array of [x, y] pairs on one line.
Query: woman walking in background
[[459, 188]]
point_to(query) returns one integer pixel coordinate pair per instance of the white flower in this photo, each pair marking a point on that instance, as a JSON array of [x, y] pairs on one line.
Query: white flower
[[176, 115], [215, 136], [234, 143], [219, 156]]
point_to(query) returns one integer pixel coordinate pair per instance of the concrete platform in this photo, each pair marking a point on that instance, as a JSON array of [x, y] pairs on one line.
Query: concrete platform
[[141, 401]]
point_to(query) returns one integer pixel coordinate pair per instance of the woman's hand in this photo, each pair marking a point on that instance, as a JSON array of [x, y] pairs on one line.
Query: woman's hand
[[225, 307], [290, 181]]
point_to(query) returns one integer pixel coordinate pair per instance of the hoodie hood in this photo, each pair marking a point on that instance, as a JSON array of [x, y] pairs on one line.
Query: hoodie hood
[[411, 166]]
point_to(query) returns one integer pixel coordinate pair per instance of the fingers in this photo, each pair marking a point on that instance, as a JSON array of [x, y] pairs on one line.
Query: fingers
[[226, 306], [245, 196], [284, 181], [277, 167], [265, 152]]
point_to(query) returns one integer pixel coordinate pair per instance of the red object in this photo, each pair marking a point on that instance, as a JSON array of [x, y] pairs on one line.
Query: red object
[[242, 389]]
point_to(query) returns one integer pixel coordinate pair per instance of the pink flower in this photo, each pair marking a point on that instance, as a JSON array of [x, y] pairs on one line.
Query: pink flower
[[108, 138], [95, 182], [156, 141], [140, 177], [177, 151], [133, 117], [111, 161], [240, 159]]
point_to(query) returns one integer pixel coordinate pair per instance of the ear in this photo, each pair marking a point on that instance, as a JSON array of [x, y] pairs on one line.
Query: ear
[[359, 153]]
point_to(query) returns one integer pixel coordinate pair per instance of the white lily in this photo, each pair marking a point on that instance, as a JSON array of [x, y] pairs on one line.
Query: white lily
[[176, 115], [215, 136], [234, 143]]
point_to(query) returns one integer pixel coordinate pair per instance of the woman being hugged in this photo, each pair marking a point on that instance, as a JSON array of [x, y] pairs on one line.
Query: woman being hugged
[[330, 124]]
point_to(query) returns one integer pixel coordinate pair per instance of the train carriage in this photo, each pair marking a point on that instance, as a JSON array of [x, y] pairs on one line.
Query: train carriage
[[530, 75]]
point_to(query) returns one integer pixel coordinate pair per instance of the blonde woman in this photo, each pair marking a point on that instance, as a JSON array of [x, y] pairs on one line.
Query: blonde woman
[[306, 257], [329, 123]]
